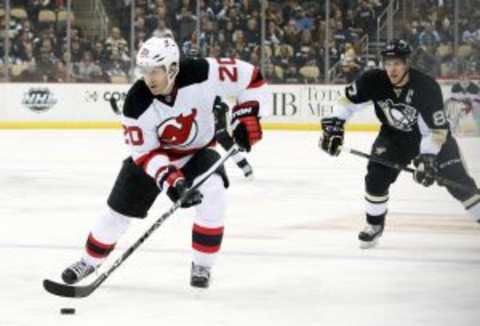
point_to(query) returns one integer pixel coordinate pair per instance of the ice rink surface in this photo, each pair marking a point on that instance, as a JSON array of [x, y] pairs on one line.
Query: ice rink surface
[[290, 254]]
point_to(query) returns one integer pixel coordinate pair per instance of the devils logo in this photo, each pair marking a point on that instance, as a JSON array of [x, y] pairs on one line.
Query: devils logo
[[178, 131]]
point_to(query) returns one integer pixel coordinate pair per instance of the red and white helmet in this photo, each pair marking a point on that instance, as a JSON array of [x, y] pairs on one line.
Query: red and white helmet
[[159, 52]]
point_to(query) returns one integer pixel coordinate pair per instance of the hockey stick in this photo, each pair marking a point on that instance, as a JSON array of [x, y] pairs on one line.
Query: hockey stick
[[114, 106], [440, 180], [70, 291]]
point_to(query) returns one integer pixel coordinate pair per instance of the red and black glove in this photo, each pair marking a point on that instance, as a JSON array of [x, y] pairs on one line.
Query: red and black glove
[[178, 187], [246, 124]]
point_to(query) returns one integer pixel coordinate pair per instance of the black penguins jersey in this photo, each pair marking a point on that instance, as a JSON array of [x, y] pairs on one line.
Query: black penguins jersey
[[414, 112]]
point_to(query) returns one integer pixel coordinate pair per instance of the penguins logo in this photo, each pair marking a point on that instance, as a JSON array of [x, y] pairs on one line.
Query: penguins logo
[[400, 116], [178, 131]]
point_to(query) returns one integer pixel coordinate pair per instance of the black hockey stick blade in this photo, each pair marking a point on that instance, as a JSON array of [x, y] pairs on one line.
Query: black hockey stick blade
[[70, 291], [114, 106]]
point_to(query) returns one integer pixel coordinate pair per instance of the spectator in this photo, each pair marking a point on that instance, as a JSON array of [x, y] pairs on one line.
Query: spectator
[[424, 59], [186, 22], [252, 34], [366, 18], [116, 44], [46, 68], [162, 30], [87, 71], [429, 37], [351, 64]]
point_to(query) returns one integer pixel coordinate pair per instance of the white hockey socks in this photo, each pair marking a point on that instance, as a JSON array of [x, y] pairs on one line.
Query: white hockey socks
[[207, 232], [104, 235], [376, 208]]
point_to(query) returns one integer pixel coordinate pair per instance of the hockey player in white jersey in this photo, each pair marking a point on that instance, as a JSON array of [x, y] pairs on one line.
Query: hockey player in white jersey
[[466, 93], [169, 127]]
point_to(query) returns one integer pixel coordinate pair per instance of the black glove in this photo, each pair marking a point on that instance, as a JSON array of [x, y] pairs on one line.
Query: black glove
[[247, 129], [333, 134], [177, 191], [426, 168], [177, 187], [222, 136]]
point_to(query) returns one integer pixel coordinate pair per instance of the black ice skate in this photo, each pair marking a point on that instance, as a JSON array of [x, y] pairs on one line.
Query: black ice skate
[[77, 272], [200, 276], [370, 235], [246, 168]]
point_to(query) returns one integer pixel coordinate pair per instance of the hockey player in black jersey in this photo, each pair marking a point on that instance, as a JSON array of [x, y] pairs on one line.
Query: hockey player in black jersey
[[414, 127]]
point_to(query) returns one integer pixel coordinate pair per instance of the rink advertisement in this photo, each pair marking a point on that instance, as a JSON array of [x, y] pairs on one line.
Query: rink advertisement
[[60, 105], [87, 106], [303, 106]]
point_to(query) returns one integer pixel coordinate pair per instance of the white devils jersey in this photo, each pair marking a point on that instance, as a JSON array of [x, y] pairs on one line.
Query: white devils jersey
[[160, 130], [466, 92]]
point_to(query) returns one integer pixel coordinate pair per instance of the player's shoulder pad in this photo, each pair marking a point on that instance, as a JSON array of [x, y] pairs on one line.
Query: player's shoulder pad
[[138, 99], [473, 89], [422, 79], [427, 86], [192, 71]]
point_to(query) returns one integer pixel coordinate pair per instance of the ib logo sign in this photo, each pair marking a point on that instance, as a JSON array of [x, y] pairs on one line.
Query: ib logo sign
[[39, 99]]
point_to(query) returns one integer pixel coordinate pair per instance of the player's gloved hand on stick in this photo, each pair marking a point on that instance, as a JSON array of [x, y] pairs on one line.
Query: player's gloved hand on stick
[[178, 187], [246, 124], [426, 169], [222, 135], [333, 134]]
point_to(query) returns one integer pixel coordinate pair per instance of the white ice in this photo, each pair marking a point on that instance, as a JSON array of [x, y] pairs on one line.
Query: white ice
[[290, 254]]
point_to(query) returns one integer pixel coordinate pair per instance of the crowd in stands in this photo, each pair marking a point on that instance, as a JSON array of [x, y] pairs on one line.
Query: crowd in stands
[[295, 33], [430, 30]]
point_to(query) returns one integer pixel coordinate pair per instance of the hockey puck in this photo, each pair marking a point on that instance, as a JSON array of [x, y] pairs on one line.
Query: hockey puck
[[67, 311]]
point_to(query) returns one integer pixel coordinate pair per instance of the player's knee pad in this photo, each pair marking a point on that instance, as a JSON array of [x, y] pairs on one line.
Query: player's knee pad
[[211, 211], [110, 227], [379, 178], [134, 192]]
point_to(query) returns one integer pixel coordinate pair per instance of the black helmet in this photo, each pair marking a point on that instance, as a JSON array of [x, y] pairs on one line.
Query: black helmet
[[396, 49]]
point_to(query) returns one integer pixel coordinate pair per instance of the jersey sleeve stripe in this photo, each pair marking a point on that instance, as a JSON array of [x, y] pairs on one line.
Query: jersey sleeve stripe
[[146, 158], [257, 79]]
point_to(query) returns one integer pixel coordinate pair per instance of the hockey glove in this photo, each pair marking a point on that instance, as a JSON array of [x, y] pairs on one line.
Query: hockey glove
[[246, 124], [221, 132], [333, 134], [177, 187], [426, 168]]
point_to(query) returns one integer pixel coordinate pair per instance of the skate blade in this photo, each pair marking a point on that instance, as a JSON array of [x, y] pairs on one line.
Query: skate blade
[[368, 244]]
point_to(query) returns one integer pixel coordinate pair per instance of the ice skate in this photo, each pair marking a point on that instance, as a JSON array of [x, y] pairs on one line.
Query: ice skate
[[77, 272], [200, 276], [246, 168], [369, 235]]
